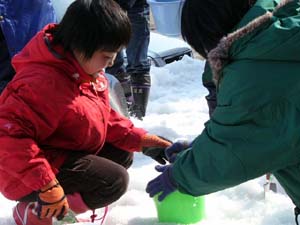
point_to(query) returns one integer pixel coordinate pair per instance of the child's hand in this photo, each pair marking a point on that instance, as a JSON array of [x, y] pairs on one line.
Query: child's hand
[[154, 147], [52, 201]]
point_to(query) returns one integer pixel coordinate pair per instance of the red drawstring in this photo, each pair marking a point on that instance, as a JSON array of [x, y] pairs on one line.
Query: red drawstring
[[104, 214], [94, 216]]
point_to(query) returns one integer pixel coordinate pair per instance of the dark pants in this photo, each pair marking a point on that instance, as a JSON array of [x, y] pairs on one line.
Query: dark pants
[[137, 49], [6, 70], [211, 98], [100, 179]]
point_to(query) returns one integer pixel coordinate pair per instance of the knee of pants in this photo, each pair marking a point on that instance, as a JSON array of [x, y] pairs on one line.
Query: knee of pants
[[99, 180], [119, 186], [107, 192]]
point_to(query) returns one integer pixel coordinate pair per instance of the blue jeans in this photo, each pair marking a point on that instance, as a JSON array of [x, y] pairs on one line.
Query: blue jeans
[[137, 49]]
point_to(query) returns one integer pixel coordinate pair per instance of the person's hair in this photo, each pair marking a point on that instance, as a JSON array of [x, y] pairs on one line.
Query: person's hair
[[92, 25], [205, 22]]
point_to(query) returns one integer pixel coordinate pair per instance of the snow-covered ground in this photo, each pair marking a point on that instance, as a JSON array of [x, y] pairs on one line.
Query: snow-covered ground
[[177, 109]]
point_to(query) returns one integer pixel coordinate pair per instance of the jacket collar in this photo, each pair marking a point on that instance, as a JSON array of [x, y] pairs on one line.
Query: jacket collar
[[41, 51], [219, 56], [58, 52]]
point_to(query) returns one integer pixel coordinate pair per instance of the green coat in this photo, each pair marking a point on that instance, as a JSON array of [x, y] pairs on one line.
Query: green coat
[[255, 128]]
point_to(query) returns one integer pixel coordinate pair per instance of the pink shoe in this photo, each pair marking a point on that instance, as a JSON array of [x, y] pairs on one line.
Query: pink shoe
[[24, 214], [78, 206], [76, 203]]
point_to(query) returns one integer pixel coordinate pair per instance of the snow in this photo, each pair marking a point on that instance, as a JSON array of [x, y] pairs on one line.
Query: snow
[[177, 109], [161, 43]]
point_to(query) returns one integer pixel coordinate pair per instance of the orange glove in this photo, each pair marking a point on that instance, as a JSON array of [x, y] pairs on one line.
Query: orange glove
[[154, 146], [52, 201]]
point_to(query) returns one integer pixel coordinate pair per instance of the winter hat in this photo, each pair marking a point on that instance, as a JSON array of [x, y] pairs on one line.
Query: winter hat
[[205, 22]]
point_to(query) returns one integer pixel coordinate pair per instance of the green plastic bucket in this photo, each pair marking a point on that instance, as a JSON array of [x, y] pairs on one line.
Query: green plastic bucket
[[180, 208]]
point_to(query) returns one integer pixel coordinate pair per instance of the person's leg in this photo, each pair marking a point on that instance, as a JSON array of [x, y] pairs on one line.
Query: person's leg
[[118, 66], [140, 85], [137, 49], [6, 70], [100, 179], [289, 179], [118, 70], [137, 56], [117, 155], [89, 182]]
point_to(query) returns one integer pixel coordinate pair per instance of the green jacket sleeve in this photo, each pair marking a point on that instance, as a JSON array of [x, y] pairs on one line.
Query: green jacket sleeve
[[237, 145]]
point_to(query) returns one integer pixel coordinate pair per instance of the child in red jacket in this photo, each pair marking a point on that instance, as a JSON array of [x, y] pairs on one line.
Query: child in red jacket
[[62, 145]]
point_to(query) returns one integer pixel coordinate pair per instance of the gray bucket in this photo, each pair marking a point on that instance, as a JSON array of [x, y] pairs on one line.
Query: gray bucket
[[167, 16]]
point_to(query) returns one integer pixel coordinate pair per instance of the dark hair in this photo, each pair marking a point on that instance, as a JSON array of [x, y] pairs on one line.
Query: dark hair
[[205, 22], [92, 25]]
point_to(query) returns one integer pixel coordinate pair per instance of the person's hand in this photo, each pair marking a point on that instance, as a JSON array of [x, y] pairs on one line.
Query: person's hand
[[52, 201], [154, 146], [172, 151], [164, 183]]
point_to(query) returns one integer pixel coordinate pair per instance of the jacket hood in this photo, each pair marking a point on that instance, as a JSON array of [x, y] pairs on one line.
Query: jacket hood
[[269, 31], [40, 51]]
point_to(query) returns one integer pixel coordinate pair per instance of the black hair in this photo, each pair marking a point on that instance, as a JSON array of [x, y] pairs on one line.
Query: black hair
[[205, 22], [92, 25]]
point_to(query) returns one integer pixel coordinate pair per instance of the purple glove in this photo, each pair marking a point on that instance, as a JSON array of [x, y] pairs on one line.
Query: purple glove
[[172, 151], [163, 183]]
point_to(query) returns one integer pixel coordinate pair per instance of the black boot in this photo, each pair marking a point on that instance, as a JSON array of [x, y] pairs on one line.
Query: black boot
[[124, 79], [140, 84]]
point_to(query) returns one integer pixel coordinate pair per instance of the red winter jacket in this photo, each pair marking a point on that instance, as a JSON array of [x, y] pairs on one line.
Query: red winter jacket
[[50, 109]]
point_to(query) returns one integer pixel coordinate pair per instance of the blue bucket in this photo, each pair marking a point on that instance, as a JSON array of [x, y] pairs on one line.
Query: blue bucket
[[167, 16]]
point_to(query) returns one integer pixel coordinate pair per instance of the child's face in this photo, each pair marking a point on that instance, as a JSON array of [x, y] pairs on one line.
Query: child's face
[[99, 61]]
